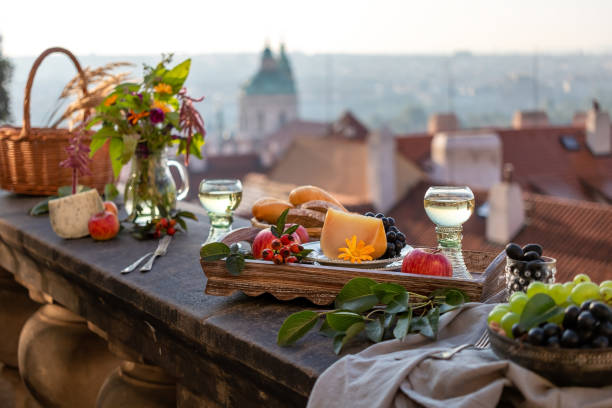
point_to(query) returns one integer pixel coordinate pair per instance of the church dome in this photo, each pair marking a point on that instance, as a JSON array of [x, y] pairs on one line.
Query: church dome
[[274, 76]]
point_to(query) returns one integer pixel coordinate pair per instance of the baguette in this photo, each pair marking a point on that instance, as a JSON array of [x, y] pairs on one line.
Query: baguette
[[268, 209], [303, 194]]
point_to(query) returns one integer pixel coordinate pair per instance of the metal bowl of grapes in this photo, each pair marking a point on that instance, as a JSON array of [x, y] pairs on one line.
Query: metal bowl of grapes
[[572, 349]]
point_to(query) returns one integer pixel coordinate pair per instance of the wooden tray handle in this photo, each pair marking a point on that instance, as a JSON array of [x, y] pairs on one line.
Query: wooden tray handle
[[25, 130]]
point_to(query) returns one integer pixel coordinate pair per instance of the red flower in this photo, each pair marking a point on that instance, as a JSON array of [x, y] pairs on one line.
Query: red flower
[[157, 115]]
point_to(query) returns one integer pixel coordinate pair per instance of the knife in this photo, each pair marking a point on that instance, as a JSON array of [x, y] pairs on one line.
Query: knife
[[162, 247]]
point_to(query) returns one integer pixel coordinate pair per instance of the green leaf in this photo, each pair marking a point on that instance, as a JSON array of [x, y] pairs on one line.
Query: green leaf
[[538, 309], [182, 223], [452, 296], [291, 229], [421, 325], [235, 264], [342, 320], [100, 137], [389, 320], [176, 76], [403, 324], [387, 291], [214, 251], [129, 147], [375, 330], [358, 304], [352, 331], [42, 207], [400, 303], [173, 118], [65, 191], [433, 316], [338, 342], [296, 326], [355, 289], [187, 214], [274, 231], [280, 222], [110, 192], [326, 329], [116, 151]]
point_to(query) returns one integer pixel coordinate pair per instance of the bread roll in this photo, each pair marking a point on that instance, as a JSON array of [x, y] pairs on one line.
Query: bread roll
[[268, 209], [303, 194]]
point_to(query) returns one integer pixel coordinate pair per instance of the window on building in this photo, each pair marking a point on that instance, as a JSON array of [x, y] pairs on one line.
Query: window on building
[[260, 121], [282, 119]]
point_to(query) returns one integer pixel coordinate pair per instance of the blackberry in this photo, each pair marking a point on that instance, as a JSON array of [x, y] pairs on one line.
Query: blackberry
[[369, 214], [391, 236]]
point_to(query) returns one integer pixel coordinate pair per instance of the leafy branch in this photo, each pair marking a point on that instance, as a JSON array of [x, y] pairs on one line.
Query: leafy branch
[[381, 310]]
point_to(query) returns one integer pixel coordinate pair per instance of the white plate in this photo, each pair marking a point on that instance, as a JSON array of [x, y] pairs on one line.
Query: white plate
[[390, 264]]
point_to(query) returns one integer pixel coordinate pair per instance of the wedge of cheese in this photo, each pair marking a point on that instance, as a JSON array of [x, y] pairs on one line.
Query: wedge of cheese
[[70, 215], [340, 225]]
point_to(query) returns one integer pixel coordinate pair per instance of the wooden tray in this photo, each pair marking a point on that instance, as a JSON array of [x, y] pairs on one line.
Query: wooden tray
[[313, 232], [321, 284]]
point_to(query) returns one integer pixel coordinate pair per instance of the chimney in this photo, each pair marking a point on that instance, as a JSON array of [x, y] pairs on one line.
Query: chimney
[[506, 209], [472, 158], [530, 119], [579, 119], [381, 169], [598, 131], [442, 122]]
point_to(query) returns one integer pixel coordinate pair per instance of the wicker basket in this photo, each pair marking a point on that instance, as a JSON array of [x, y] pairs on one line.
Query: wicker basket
[[30, 157]]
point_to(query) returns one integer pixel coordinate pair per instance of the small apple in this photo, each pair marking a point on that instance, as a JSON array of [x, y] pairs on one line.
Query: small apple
[[264, 238], [427, 263], [301, 232], [103, 226], [111, 207]]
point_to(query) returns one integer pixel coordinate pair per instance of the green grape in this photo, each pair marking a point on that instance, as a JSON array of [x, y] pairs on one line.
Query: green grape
[[559, 293], [515, 294], [497, 313], [507, 321], [584, 291], [518, 303], [606, 284], [569, 285], [606, 294], [581, 277], [535, 288]]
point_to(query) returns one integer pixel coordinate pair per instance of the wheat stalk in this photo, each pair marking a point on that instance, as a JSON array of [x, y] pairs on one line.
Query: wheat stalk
[[103, 81]]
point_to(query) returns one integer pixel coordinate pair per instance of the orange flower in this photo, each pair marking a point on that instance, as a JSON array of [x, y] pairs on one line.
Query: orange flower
[[110, 100], [356, 252], [160, 105], [134, 117], [163, 88]]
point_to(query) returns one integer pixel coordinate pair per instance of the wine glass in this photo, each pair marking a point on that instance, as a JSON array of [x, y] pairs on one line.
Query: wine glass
[[449, 208], [220, 198]]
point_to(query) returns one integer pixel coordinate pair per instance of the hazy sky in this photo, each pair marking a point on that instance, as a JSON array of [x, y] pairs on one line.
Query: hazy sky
[[311, 26]]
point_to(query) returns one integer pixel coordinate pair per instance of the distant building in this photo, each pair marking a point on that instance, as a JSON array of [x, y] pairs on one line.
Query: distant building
[[268, 100]]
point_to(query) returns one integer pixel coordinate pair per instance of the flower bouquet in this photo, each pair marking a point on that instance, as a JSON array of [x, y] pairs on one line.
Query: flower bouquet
[[140, 121]]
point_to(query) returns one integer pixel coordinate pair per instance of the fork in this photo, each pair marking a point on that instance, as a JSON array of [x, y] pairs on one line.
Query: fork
[[482, 343], [162, 247]]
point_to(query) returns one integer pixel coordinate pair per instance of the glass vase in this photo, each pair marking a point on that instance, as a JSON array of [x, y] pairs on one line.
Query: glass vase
[[150, 189]]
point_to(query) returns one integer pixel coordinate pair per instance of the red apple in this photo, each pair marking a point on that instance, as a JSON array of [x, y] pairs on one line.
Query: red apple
[[103, 226], [301, 232], [264, 238], [427, 263], [111, 207]]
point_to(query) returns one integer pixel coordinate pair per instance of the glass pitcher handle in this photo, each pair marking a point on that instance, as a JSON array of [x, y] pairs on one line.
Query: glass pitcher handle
[[181, 192]]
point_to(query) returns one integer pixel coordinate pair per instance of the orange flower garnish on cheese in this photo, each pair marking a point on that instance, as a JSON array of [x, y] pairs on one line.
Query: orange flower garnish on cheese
[[355, 251], [339, 225]]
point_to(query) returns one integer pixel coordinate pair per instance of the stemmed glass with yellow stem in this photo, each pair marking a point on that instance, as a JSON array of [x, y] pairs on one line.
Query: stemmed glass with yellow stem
[[449, 207]]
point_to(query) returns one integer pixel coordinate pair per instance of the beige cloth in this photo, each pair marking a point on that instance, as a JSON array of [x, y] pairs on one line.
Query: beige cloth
[[397, 374]]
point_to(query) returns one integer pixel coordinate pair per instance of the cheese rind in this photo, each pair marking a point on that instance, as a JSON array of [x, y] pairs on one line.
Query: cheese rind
[[70, 215], [339, 226]]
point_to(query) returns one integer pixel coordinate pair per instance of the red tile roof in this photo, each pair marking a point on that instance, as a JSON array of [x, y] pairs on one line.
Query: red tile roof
[[576, 233], [541, 163]]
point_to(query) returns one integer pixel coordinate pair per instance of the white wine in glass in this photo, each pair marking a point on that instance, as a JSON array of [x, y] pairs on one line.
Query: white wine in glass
[[448, 208], [220, 198]]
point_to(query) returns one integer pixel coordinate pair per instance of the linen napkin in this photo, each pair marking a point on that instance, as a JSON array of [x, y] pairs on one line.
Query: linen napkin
[[398, 374]]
